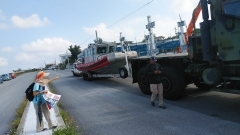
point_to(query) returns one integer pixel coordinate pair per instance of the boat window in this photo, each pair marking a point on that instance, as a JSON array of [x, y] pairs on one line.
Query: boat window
[[101, 49], [111, 49], [88, 52], [94, 50]]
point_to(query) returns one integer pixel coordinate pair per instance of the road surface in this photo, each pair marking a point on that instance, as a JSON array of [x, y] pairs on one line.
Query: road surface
[[115, 106], [11, 97]]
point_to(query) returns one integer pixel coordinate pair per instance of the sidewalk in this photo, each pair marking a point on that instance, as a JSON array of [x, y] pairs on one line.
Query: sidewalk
[[27, 125]]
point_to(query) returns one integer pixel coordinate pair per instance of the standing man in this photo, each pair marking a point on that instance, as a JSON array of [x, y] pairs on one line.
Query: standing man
[[154, 70]]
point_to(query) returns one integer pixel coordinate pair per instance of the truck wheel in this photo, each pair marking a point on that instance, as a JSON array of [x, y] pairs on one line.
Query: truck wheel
[[123, 72], [173, 83], [203, 86], [83, 76], [73, 74], [143, 82], [87, 76]]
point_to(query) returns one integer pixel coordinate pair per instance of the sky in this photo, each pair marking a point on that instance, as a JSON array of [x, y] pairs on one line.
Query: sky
[[35, 32]]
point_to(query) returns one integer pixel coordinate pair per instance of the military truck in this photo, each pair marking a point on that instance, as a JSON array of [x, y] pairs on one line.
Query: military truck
[[212, 59]]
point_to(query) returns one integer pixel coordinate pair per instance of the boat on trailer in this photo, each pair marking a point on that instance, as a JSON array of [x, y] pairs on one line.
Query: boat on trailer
[[102, 60]]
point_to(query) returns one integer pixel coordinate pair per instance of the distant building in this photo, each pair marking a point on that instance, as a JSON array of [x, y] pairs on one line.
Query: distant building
[[160, 38], [63, 58]]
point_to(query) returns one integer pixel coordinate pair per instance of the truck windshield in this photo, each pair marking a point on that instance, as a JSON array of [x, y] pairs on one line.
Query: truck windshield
[[232, 8]]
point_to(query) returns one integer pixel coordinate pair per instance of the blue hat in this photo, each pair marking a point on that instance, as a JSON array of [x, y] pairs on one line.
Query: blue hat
[[153, 58]]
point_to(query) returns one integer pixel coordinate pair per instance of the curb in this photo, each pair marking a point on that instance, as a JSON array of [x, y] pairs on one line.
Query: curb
[[59, 117], [60, 122], [23, 119]]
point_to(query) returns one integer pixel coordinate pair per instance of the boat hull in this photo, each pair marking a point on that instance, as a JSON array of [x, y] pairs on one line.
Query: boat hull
[[107, 64]]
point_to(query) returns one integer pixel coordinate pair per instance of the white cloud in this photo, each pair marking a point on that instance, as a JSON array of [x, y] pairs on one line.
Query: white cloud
[[108, 34], [32, 21], [183, 5], [25, 57], [164, 26], [3, 62], [185, 9], [46, 45], [46, 49], [6, 49]]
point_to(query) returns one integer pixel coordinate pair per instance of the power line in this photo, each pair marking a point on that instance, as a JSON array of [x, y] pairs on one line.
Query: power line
[[168, 31], [119, 20]]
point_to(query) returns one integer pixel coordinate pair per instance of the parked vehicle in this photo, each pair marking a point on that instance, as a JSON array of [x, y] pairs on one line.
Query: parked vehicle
[[13, 76], [6, 77], [75, 71], [1, 80]]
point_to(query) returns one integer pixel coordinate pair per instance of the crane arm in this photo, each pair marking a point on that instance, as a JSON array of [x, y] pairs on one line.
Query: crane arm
[[191, 25]]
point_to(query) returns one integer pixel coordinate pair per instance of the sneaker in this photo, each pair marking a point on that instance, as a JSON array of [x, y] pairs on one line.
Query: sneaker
[[152, 102], [53, 127], [42, 130], [163, 107]]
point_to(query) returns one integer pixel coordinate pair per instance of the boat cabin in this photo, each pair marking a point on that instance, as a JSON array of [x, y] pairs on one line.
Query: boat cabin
[[95, 52]]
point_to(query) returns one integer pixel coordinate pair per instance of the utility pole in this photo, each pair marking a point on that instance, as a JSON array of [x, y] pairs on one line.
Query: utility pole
[[152, 45], [181, 35], [67, 58]]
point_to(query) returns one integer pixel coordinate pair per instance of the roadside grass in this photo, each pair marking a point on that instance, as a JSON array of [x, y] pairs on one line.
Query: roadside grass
[[16, 122], [70, 128], [23, 72]]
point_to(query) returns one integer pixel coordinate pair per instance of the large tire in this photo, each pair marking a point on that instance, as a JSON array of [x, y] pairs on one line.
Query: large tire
[[173, 83], [83, 76], [123, 72], [143, 81], [87, 76], [203, 86]]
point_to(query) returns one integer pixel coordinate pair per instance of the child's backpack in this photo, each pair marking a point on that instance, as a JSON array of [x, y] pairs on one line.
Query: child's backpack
[[29, 92]]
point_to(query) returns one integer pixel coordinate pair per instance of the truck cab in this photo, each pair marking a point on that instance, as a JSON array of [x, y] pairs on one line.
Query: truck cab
[[75, 71]]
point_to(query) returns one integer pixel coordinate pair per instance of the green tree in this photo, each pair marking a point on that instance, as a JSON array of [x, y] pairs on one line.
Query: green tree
[[75, 50], [98, 41], [61, 66]]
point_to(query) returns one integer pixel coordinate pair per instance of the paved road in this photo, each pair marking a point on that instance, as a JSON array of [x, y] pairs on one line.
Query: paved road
[[12, 95], [115, 106]]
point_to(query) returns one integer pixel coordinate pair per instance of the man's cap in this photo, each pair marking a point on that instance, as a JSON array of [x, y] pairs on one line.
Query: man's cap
[[41, 74], [153, 58]]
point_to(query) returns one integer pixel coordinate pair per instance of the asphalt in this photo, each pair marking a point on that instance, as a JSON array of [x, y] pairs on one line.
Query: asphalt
[[106, 110]]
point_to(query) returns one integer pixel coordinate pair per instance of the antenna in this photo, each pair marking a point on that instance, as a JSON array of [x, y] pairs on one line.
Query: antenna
[[180, 17], [96, 36]]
